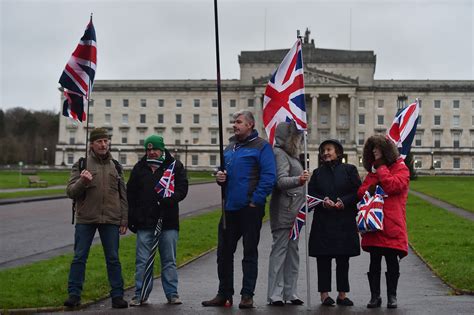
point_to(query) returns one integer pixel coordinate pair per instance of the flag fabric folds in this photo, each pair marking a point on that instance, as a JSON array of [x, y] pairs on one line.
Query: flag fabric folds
[[164, 188], [403, 128], [284, 95], [370, 215], [301, 217], [78, 75]]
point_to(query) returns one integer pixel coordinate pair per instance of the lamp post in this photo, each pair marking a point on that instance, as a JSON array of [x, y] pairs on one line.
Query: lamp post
[[186, 155], [432, 161], [64, 153], [45, 155]]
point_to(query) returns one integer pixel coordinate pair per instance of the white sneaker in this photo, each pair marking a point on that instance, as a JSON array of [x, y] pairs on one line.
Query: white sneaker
[[135, 301], [174, 301]]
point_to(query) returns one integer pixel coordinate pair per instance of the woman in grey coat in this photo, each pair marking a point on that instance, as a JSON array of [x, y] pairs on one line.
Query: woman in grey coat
[[287, 198]]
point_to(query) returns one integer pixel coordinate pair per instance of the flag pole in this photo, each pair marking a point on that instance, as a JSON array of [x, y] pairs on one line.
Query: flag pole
[[87, 116], [219, 109]]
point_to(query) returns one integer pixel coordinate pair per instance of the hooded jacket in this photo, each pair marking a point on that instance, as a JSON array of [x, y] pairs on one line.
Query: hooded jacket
[[288, 193], [144, 209]]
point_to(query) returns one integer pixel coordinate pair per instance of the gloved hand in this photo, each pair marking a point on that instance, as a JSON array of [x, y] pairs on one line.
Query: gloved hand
[[371, 189], [166, 203], [379, 162]]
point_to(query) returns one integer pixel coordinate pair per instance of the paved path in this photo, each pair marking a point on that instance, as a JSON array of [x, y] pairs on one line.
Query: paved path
[[32, 188], [447, 206], [419, 292]]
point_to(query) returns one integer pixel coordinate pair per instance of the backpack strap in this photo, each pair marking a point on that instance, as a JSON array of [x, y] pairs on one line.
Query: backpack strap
[[82, 166]]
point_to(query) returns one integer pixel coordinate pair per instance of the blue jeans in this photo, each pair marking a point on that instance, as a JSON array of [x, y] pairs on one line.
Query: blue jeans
[[167, 251], [109, 236]]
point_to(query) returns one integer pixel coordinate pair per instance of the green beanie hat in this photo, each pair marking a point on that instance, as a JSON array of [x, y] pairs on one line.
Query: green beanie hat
[[98, 133], [155, 142]]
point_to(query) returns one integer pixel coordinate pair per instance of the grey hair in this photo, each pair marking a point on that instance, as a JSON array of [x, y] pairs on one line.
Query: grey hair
[[247, 114]]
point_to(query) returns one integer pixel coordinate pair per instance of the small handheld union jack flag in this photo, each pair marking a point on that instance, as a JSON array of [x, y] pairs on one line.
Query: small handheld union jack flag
[[370, 215], [165, 186], [300, 219]]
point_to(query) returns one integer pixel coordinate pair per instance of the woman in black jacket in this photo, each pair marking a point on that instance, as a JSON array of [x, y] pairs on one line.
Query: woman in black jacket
[[146, 206], [333, 231]]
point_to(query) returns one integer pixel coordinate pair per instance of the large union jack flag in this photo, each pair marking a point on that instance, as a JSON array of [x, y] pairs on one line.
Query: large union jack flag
[[370, 215], [165, 186], [78, 75], [284, 95], [403, 128], [301, 217]]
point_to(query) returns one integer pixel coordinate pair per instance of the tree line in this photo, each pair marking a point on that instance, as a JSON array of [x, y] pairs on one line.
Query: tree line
[[28, 136]]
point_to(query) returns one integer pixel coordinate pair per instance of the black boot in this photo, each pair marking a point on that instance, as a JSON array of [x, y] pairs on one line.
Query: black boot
[[392, 282], [374, 283]]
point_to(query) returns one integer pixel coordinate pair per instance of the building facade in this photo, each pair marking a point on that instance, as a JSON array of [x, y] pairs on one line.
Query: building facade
[[343, 101]]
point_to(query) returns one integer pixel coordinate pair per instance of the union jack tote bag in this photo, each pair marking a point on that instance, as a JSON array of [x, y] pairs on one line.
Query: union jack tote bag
[[370, 215]]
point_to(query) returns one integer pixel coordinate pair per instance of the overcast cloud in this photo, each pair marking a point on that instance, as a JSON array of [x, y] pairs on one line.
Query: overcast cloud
[[175, 39]]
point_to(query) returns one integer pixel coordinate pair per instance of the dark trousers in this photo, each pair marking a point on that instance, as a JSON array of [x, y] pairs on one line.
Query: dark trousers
[[324, 273], [391, 259], [245, 223]]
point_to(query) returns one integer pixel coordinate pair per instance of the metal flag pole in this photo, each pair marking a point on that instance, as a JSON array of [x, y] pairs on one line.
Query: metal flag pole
[[87, 116], [219, 108]]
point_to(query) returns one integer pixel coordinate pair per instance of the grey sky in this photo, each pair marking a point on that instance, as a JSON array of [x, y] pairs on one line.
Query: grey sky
[[175, 39]]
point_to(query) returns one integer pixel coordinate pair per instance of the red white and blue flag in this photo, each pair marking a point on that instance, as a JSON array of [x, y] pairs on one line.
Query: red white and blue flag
[[284, 95], [301, 217], [165, 186], [370, 215], [403, 128], [78, 75]]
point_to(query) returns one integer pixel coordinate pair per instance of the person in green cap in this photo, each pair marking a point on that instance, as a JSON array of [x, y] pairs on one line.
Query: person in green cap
[[101, 204], [146, 205]]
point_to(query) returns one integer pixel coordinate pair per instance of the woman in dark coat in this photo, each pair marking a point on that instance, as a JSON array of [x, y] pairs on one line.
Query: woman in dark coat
[[385, 168], [334, 231]]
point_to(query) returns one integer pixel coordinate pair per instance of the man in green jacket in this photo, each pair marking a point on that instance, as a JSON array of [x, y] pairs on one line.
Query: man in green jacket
[[101, 204]]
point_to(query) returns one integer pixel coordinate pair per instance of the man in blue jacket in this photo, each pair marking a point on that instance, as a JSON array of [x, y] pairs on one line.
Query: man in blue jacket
[[248, 177]]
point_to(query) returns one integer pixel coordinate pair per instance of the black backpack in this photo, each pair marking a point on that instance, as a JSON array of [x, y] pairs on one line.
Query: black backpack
[[82, 166]]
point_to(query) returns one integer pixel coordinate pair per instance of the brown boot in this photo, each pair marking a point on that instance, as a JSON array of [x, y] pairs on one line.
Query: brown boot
[[246, 302], [218, 300]]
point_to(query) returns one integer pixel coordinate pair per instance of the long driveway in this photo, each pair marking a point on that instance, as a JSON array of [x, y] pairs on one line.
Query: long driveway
[[37, 230]]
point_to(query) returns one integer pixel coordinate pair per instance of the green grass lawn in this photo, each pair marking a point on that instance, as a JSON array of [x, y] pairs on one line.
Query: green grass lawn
[[11, 179], [456, 190], [444, 240]]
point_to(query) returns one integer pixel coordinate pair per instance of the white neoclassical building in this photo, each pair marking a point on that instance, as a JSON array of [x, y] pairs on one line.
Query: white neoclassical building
[[343, 101]]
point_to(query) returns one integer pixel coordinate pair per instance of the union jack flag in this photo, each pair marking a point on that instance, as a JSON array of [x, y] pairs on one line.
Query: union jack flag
[[284, 95], [301, 217], [403, 128], [165, 186], [78, 75], [370, 215]]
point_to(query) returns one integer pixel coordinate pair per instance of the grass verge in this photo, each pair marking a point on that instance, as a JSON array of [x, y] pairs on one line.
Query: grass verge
[[45, 283], [444, 240], [456, 190]]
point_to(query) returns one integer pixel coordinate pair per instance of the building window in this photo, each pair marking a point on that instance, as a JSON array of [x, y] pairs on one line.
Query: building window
[[194, 159], [456, 104], [108, 103], [419, 119], [214, 120], [212, 160], [107, 118], [380, 103], [418, 139], [178, 118], [91, 103], [323, 119], [213, 137], [179, 103], [456, 139], [437, 162], [250, 102], [233, 103], [214, 103], [124, 118], [437, 140], [343, 136], [343, 120], [177, 156], [437, 104], [380, 119], [124, 137], [177, 137], [324, 135], [418, 163], [197, 103], [195, 136], [161, 103], [70, 158], [456, 119], [91, 118], [361, 119], [437, 120], [161, 118], [142, 118], [125, 103], [231, 118], [361, 138], [72, 137], [143, 102], [456, 162], [123, 159], [141, 137], [361, 103], [195, 118]]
